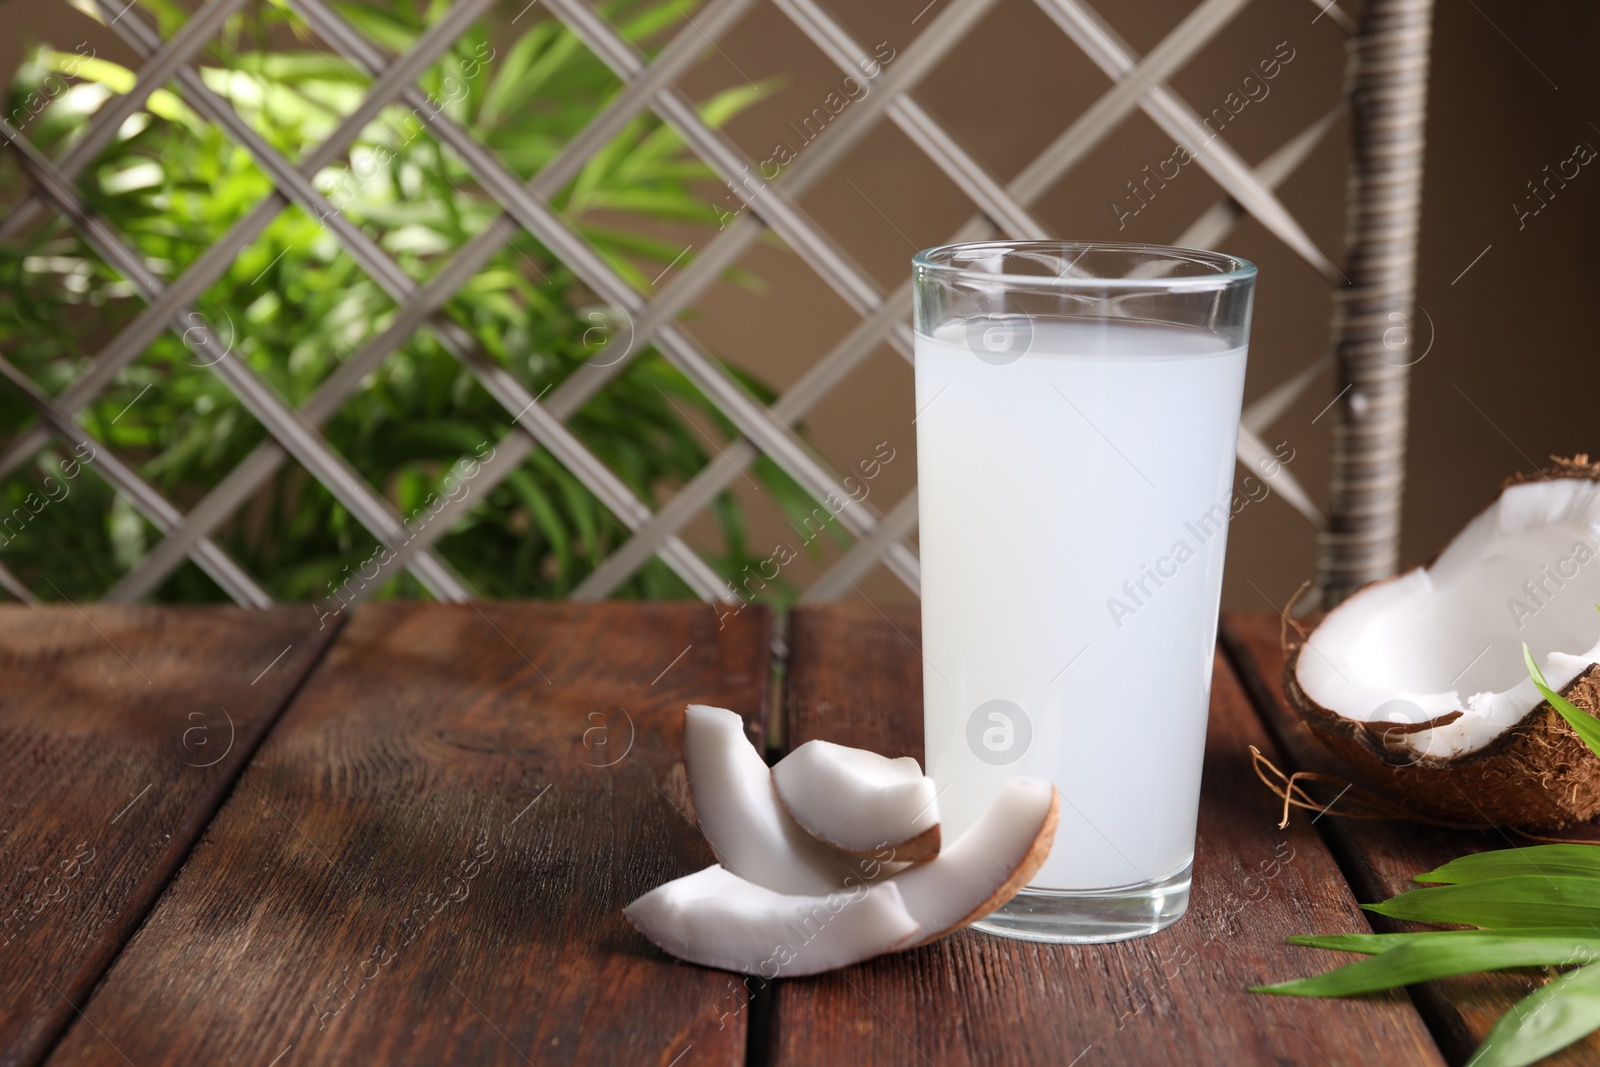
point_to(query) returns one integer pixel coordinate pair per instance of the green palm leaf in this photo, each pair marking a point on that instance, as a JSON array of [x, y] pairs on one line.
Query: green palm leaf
[[1542, 907], [1538, 860], [1585, 725], [1376, 943], [1521, 900], [1409, 962], [1544, 1021]]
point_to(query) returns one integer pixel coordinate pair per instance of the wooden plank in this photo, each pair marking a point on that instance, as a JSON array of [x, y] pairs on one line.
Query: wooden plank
[[427, 860], [1177, 997], [1381, 856], [121, 730]]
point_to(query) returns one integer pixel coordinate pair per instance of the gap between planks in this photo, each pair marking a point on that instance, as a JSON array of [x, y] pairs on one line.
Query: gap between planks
[[50, 1045], [1443, 1026]]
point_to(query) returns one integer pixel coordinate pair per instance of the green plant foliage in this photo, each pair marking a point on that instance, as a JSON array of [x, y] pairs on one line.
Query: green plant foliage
[[1438, 954], [1542, 860], [295, 307], [1583, 724], [1536, 906]]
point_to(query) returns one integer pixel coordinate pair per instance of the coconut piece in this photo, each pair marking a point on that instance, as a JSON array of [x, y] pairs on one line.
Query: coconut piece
[[717, 919], [860, 802], [987, 865], [1417, 683], [741, 816]]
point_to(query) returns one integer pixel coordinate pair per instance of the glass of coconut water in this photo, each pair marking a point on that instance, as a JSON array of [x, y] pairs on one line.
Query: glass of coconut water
[[1077, 416]]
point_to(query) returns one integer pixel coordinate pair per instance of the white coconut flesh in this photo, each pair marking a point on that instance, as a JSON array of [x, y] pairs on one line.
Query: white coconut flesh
[[1449, 637], [717, 919], [854, 799], [990, 858], [741, 816]]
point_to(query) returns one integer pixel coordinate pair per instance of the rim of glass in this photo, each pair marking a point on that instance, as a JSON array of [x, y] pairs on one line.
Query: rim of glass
[[1225, 270]]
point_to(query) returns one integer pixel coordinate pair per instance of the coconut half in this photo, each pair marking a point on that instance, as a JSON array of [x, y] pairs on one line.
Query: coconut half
[[1418, 684], [860, 802], [716, 918], [741, 816]]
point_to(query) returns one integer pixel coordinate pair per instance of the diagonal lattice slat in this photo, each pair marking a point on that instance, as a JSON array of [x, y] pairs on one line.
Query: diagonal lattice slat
[[297, 435], [1032, 183], [1179, 121], [325, 401], [1004, 208], [535, 214], [150, 503], [103, 127], [1212, 226]]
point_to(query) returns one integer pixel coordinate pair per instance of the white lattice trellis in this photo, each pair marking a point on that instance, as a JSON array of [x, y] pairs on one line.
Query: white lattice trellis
[[1002, 208]]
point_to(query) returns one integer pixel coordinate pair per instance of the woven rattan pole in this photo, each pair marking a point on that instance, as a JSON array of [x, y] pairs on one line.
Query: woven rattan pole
[[1372, 335]]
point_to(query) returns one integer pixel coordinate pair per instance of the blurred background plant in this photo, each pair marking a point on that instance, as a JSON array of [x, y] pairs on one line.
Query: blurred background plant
[[293, 306]]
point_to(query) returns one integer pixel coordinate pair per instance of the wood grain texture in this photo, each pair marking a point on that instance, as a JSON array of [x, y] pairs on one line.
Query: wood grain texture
[[1380, 857], [427, 860], [855, 676], [121, 730]]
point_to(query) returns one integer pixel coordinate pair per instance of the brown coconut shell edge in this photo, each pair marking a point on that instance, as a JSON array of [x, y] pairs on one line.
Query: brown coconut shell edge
[[1537, 775], [1027, 866]]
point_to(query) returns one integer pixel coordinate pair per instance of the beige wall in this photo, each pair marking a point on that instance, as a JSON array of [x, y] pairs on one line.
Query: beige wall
[[1510, 366], [1497, 391]]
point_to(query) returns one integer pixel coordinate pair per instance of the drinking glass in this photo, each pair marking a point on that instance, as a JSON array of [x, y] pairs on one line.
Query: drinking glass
[[1077, 413]]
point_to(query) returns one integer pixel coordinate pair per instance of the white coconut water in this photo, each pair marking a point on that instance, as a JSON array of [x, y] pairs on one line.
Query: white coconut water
[[1074, 506]]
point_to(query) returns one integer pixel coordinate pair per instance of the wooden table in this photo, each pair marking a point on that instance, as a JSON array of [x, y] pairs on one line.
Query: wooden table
[[407, 836]]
